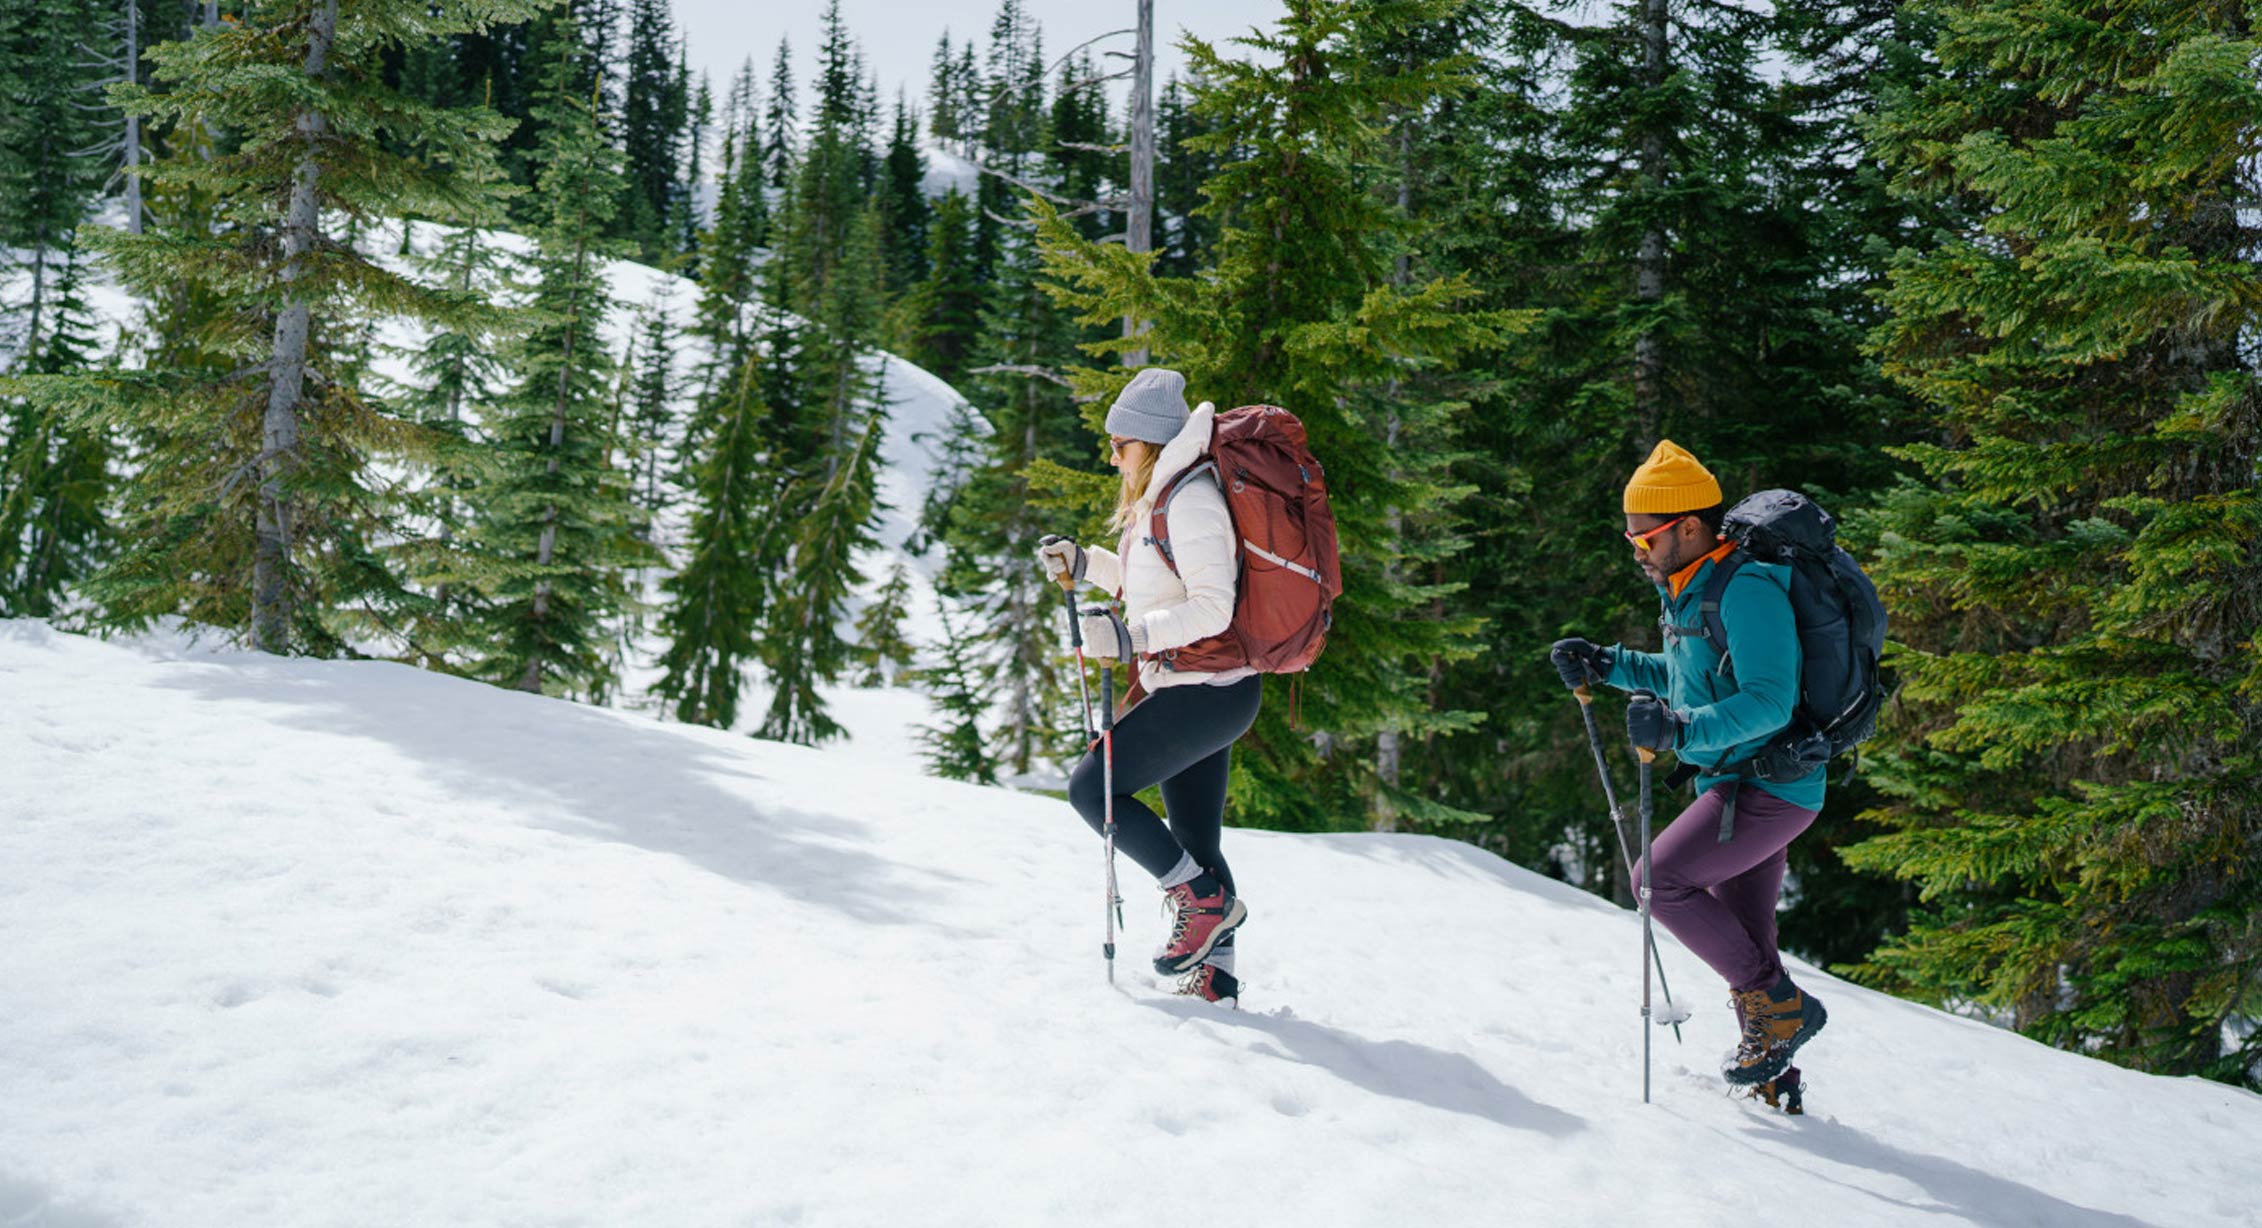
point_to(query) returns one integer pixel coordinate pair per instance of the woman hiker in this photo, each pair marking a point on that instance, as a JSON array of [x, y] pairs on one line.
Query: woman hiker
[[1181, 735], [1715, 873]]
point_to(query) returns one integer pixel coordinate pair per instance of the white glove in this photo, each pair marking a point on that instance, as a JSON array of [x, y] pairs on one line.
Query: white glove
[[1106, 636], [1061, 559]]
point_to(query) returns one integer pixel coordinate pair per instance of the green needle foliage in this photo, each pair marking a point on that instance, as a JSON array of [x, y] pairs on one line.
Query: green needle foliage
[[2071, 770], [557, 529], [255, 504], [1300, 310]]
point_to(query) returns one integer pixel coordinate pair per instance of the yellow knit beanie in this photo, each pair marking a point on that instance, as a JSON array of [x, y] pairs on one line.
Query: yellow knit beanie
[[1671, 481]]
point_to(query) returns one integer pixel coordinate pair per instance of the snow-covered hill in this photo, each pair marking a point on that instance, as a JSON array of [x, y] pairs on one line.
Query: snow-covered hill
[[882, 721], [301, 943]]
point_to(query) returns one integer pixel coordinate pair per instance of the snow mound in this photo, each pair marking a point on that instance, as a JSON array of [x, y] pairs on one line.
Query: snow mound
[[346, 943]]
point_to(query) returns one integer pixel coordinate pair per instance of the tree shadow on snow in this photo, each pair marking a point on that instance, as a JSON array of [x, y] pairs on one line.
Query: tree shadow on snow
[[1959, 1189], [587, 773], [1400, 1069], [32, 1206]]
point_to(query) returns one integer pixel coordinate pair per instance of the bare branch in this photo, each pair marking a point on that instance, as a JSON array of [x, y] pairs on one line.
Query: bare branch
[[1012, 368], [1002, 220], [1039, 80], [1089, 82], [1083, 206], [1091, 148]]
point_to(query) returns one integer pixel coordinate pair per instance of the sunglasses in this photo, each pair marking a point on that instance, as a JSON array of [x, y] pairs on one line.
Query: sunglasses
[[1646, 540], [1116, 444]]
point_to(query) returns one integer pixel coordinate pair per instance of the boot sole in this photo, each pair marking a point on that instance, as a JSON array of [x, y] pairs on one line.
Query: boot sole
[[1234, 916], [1780, 1060]]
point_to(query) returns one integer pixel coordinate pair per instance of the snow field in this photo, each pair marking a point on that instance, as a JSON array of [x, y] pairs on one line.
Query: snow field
[[318, 943]]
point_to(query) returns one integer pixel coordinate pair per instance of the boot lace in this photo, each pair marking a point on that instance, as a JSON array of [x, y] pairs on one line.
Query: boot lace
[[1751, 1008]]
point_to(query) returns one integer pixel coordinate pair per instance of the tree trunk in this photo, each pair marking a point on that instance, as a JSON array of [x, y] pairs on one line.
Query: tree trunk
[[1649, 265], [271, 560], [546, 547], [1139, 235], [1389, 746], [132, 158]]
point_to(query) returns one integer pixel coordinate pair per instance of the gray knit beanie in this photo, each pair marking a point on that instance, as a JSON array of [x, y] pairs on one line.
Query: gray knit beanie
[[1151, 407]]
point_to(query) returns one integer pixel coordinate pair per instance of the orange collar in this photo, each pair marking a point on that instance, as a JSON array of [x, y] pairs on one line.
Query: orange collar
[[1680, 579]]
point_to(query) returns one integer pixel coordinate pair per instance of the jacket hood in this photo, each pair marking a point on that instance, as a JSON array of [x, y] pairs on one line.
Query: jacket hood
[[1192, 442]]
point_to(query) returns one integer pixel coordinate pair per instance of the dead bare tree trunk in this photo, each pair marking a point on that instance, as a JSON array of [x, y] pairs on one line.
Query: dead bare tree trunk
[[1649, 264], [302, 221], [1139, 234]]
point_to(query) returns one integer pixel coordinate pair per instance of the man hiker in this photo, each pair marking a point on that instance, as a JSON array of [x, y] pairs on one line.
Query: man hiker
[[1716, 871]]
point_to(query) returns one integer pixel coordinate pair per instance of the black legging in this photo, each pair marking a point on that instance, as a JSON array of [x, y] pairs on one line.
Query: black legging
[[1181, 738]]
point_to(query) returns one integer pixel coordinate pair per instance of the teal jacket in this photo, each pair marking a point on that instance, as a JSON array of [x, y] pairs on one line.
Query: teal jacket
[[1727, 717]]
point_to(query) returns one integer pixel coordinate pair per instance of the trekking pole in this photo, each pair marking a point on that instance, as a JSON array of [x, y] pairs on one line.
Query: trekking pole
[[1649, 948], [1626, 854], [1107, 781], [1076, 638], [1113, 907]]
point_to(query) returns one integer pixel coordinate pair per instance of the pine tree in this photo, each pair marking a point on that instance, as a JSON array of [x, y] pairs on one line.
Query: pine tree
[[556, 521], [54, 475], [945, 309], [687, 219], [654, 126], [1299, 310], [779, 144], [53, 470], [720, 596], [651, 418], [902, 204], [253, 504], [1185, 233], [719, 599], [1666, 222], [882, 648], [957, 750], [50, 166], [944, 122], [992, 523], [1084, 160], [2069, 770], [452, 374], [1011, 117]]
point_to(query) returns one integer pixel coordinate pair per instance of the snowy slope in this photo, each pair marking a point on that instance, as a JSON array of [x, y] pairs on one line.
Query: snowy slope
[[881, 721], [322, 943]]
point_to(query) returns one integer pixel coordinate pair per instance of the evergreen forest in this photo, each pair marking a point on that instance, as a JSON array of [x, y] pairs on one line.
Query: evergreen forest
[[1982, 277]]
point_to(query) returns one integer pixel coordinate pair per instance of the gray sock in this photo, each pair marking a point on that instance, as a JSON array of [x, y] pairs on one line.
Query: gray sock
[[1184, 872]]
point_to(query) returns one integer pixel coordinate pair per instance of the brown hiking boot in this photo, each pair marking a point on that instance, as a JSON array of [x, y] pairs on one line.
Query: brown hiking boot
[[1775, 1023]]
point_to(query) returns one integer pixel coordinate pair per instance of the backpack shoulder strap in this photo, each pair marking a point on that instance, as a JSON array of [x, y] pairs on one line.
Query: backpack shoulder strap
[[1708, 611], [1158, 525]]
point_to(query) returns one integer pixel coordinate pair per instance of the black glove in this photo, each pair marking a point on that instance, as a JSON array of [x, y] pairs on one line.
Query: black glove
[[1650, 724], [1581, 662]]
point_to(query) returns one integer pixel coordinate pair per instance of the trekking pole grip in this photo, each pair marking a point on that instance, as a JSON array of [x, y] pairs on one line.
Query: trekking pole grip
[[1585, 694], [1646, 754]]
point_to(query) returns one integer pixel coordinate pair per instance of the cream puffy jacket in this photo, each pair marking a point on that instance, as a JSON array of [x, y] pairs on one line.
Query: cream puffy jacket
[[1174, 610]]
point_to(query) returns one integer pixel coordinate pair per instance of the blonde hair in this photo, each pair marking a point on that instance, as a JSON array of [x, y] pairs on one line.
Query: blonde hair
[[1131, 499]]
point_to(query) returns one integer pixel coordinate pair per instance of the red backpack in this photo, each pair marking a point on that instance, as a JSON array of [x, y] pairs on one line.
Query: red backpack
[[1276, 494]]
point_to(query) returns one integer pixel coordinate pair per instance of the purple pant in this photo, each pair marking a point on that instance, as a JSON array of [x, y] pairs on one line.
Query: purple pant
[[1719, 899]]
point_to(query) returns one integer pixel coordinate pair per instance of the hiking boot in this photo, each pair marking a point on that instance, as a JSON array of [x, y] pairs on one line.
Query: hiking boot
[[1211, 983], [1202, 912], [1775, 1023]]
